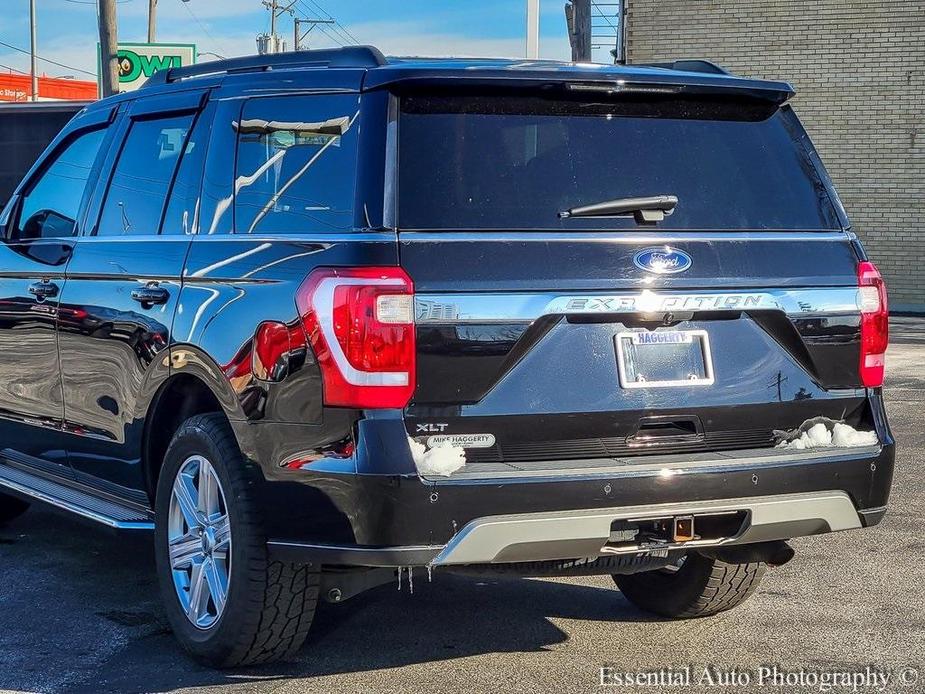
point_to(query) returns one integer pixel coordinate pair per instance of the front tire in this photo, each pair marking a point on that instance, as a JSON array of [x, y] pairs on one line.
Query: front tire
[[11, 507], [700, 586], [229, 604]]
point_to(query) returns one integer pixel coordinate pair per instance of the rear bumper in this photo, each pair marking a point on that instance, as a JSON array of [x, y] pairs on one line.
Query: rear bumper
[[389, 520]]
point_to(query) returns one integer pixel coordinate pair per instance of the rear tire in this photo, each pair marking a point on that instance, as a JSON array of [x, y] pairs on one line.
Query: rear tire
[[263, 608], [699, 587], [11, 507]]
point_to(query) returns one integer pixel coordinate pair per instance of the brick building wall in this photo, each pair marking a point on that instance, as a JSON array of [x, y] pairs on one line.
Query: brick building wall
[[859, 70]]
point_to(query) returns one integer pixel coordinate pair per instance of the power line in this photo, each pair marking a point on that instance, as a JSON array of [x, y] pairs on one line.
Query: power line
[[341, 29], [203, 27], [13, 69], [332, 36], [332, 29], [93, 2], [47, 60], [600, 13]]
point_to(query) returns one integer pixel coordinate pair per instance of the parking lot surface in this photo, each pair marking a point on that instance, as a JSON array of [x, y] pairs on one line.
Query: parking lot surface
[[79, 610]]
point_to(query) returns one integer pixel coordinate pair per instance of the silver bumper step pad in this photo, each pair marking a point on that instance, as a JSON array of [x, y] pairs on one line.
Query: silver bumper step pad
[[585, 533]]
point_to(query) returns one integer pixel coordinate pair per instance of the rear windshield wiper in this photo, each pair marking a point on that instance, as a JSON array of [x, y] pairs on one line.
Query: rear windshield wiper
[[651, 209]]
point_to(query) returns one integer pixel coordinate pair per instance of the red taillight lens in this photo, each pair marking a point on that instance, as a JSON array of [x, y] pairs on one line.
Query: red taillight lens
[[360, 323], [875, 323]]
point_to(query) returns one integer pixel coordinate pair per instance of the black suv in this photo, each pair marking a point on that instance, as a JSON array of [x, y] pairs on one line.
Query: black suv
[[322, 319]]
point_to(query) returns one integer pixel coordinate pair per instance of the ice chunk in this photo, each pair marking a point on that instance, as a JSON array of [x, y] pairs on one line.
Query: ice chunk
[[440, 460], [846, 436], [825, 433], [818, 435]]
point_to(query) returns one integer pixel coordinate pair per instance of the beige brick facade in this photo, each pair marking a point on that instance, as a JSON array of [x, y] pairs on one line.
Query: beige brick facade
[[859, 70]]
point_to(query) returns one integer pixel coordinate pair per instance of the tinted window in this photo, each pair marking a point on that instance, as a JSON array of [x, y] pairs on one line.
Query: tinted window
[[24, 135], [50, 208], [296, 165], [142, 176], [182, 215], [515, 163]]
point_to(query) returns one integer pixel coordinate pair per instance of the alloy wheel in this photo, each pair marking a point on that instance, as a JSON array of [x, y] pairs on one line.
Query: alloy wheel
[[199, 542]]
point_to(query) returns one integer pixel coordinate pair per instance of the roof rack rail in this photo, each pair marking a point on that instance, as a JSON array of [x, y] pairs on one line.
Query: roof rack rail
[[347, 56], [691, 65]]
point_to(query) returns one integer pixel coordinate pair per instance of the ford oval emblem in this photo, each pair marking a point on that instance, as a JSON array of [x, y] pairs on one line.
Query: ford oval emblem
[[663, 260]]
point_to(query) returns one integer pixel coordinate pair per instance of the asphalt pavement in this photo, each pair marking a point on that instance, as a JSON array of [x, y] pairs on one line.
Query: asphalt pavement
[[79, 612]]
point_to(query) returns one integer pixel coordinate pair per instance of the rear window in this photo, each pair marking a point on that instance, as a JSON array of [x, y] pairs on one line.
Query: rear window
[[475, 162], [296, 165]]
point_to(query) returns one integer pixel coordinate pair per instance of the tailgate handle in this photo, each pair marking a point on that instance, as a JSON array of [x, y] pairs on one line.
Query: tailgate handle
[[666, 429]]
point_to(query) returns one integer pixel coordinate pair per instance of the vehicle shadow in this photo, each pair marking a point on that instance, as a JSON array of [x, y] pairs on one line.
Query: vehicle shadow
[[454, 617], [451, 617]]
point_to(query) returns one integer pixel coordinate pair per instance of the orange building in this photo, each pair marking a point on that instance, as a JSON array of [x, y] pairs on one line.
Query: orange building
[[16, 87]]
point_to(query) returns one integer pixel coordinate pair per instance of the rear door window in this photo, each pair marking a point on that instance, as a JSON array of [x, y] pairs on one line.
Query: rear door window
[[296, 165], [182, 214], [142, 176], [475, 162]]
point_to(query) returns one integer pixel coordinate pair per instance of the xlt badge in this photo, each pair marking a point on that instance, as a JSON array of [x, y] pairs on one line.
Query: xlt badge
[[431, 428]]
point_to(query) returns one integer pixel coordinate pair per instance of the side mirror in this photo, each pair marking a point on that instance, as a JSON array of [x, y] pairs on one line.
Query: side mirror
[[46, 224]]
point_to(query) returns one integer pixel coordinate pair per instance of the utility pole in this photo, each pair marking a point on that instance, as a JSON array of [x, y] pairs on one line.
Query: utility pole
[[272, 42], [35, 78], [533, 29], [273, 21], [152, 21], [578, 18], [619, 56], [300, 35], [109, 59]]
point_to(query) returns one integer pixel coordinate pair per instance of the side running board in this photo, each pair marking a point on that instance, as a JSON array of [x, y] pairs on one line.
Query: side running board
[[83, 503]]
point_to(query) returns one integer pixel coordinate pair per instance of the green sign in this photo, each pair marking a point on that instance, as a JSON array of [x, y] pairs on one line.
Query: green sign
[[138, 61]]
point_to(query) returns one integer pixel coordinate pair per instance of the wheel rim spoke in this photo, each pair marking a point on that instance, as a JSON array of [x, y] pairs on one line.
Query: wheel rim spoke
[[198, 593], [187, 500], [208, 490], [222, 529], [184, 550], [217, 582]]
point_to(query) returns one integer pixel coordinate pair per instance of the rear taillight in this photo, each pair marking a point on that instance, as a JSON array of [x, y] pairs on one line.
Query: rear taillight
[[875, 323], [360, 323]]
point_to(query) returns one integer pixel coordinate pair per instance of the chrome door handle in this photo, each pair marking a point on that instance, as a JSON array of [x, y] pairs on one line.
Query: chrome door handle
[[150, 295], [43, 290]]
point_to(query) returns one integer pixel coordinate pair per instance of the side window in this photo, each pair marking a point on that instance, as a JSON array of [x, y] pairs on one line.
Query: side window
[[142, 175], [296, 165], [49, 209], [182, 216]]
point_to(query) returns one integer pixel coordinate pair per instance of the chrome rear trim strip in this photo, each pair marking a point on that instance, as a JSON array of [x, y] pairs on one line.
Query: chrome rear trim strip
[[523, 307], [619, 236]]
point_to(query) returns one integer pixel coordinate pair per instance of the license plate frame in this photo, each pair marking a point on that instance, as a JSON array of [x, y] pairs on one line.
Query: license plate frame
[[692, 337]]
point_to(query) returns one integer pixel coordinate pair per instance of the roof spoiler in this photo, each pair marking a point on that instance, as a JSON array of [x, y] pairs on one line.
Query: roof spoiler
[[346, 57], [689, 65]]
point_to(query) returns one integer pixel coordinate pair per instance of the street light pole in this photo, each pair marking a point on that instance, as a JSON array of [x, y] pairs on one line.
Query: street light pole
[[152, 21], [35, 79]]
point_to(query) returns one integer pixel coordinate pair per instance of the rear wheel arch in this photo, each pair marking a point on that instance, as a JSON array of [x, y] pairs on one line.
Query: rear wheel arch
[[180, 397]]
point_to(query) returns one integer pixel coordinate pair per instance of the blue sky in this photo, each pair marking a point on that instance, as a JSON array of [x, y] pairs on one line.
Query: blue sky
[[67, 28]]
